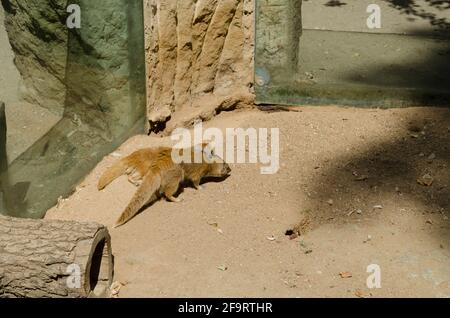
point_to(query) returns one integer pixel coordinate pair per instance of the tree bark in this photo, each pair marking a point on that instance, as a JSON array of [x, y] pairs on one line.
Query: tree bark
[[52, 258]]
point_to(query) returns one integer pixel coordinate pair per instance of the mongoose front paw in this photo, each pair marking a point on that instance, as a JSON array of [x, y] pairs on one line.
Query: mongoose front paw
[[175, 200]]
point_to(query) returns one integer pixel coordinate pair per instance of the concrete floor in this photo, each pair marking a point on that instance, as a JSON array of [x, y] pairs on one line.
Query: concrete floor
[[351, 15]]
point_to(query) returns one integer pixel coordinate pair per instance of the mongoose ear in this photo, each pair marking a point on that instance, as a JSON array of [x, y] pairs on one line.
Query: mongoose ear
[[209, 148]]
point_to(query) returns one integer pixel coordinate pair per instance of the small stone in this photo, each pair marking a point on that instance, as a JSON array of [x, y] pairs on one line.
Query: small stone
[[115, 289], [425, 180], [213, 224], [60, 202], [330, 202], [431, 157], [309, 75], [222, 268]]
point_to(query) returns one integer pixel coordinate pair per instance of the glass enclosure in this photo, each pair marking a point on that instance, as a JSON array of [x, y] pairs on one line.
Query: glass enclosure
[[353, 52], [70, 94]]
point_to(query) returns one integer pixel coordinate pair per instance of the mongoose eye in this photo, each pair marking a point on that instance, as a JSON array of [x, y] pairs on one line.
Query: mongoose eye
[[209, 152], [209, 156]]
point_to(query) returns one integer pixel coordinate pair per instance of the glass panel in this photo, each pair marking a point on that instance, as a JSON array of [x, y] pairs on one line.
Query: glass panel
[[338, 59], [83, 94]]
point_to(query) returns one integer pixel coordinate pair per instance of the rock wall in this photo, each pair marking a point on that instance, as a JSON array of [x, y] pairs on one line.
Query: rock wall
[[199, 59], [38, 36]]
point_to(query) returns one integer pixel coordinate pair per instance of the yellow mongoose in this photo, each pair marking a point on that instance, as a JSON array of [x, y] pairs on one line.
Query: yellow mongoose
[[155, 173]]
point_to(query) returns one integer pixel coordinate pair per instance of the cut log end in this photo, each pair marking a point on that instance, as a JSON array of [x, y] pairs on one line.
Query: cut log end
[[52, 258], [99, 266]]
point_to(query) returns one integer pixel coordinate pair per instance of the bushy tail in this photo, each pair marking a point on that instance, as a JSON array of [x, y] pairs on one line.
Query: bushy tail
[[112, 173], [150, 184]]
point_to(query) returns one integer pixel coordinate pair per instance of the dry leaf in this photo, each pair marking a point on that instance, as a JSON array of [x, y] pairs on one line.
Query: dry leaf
[[345, 274], [361, 294]]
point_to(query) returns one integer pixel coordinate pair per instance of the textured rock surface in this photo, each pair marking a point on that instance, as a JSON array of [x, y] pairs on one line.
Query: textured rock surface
[[38, 36], [199, 58], [106, 66]]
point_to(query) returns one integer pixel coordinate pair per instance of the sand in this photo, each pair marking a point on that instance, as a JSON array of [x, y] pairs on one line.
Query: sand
[[351, 172]]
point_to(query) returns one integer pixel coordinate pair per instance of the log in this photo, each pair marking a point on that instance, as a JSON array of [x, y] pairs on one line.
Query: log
[[54, 259]]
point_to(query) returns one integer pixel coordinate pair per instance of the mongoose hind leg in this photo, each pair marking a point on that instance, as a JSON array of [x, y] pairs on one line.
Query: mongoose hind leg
[[171, 186], [197, 185], [173, 199], [135, 179]]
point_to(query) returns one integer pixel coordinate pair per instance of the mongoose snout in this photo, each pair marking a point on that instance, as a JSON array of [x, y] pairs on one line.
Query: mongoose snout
[[227, 170], [218, 168]]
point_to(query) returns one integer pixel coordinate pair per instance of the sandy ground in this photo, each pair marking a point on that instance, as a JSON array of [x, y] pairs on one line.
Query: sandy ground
[[351, 172]]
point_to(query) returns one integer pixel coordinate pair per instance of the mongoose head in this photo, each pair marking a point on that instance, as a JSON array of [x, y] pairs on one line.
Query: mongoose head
[[217, 167]]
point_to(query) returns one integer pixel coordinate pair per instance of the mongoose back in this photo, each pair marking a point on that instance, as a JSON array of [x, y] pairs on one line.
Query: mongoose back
[[156, 174]]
